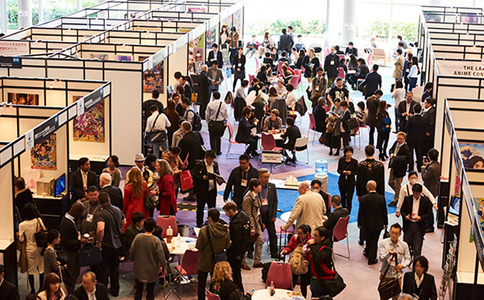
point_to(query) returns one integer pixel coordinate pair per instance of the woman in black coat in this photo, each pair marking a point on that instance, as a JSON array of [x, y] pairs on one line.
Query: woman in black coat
[[311, 64], [223, 285], [22, 195], [239, 67], [347, 166], [419, 282]]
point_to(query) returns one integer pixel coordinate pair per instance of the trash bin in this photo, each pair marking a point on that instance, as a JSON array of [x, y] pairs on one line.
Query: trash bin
[[184, 230]]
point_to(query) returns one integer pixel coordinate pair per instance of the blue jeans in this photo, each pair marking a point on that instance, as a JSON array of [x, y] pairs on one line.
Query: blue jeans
[[156, 147], [412, 83]]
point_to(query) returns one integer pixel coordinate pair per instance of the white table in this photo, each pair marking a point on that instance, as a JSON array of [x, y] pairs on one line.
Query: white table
[[280, 184], [285, 216], [265, 294], [185, 244]]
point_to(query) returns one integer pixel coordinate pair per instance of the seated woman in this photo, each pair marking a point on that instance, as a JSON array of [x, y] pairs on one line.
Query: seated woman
[[361, 114], [419, 282], [223, 285], [273, 96], [291, 134], [297, 244], [291, 97], [286, 74], [262, 75], [273, 124]]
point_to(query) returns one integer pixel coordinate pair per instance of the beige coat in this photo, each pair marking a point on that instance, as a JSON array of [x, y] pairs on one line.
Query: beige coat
[[309, 209], [397, 73], [251, 207]]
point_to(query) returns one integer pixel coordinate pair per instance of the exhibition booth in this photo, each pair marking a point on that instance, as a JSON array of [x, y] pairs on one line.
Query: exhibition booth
[[47, 122]]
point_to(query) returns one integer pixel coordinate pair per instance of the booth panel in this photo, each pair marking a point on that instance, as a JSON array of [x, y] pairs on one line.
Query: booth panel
[[55, 97], [83, 85], [457, 103], [27, 124], [94, 74], [122, 66], [9, 129], [74, 73], [27, 111], [6, 213], [27, 72], [178, 61], [476, 177], [469, 135], [467, 119], [11, 82], [445, 155]]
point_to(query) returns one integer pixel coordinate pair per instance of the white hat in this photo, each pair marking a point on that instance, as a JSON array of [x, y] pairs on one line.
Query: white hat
[[139, 157]]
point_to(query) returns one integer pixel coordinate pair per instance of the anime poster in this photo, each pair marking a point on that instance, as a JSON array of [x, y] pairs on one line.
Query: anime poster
[[124, 58], [153, 79], [23, 99], [472, 155], [43, 154], [197, 9], [227, 22], [89, 127], [99, 56], [211, 38], [196, 50], [237, 19]]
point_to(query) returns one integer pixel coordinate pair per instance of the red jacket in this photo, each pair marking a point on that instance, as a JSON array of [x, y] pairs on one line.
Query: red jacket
[[294, 242], [166, 186]]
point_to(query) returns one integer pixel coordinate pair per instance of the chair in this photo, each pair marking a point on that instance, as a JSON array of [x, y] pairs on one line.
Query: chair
[[379, 55], [232, 141], [302, 145], [340, 232], [268, 143], [280, 275], [326, 52], [340, 56], [211, 296], [341, 73], [295, 81], [279, 67], [312, 126], [165, 221], [251, 78], [189, 265]]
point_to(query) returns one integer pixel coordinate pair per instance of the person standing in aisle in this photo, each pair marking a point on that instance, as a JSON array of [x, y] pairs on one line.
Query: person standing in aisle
[[217, 117], [419, 282], [415, 137], [331, 66], [215, 56], [239, 67], [405, 111], [268, 210], [157, 122], [399, 160], [82, 179], [347, 168], [204, 92], [431, 171], [115, 193], [8, 291], [239, 180], [429, 122], [384, 128], [252, 208], [399, 62], [285, 41], [373, 103], [233, 39], [398, 94], [215, 76]]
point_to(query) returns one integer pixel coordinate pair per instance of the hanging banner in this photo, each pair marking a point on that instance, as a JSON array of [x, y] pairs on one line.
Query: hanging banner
[[461, 68], [44, 130], [11, 48]]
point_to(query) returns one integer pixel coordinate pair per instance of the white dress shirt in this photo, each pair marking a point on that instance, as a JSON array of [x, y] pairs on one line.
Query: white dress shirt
[[418, 280], [406, 190], [211, 182], [84, 179], [291, 100], [403, 257], [415, 206], [92, 296], [161, 123]]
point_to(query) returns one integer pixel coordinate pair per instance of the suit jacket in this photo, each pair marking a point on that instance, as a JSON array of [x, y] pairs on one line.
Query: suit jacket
[[245, 128], [402, 108], [373, 83], [372, 103], [415, 134], [308, 72], [319, 114], [70, 236], [370, 169], [271, 199], [331, 65], [238, 60], [333, 218], [8, 291], [424, 211], [399, 163], [292, 134], [204, 87], [372, 213], [286, 42], [101, 292], [200, 184], [219, 58], [234, 183], [115, 195], [77, 187], [427, 289], [429, 121], [431, 177], [190, 144]]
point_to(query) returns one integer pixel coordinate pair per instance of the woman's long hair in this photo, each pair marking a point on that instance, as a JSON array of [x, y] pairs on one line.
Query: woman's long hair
[[382, 108], [165, 168], [222, 271], [51, 278], [136, 181], [30, 212]]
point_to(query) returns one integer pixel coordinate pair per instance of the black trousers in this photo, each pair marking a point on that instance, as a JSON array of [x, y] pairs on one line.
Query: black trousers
[[215, 139], [371, 244], [305, 281], [383, 137], [202, 282], [236, 265], [417, 148], [203, 106], [238, 75], [346, 138], [414, 238], [271, 230], [108, 271], [372, 135], [150, 289], [233, 53], [252, 145], [346, 190], [73, 268], [209, 199]]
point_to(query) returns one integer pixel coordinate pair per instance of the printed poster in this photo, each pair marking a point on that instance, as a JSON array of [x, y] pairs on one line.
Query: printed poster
[[472, 155], [23, 99], [153, 79], [43, 154], [196, 50], [89, 126]]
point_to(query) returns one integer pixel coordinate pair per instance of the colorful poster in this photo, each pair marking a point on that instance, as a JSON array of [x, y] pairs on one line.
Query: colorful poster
[[99, 56], [196, 50], [23, 99], [472, 155], [89, 127], [227, 22], [124, 58], [184, 30], [211, 38], [153, 79], [237, 19], [43, 154], [197, 9]]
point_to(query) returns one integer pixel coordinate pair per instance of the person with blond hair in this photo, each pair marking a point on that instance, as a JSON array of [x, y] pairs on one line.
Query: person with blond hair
[[135, 192], [400, 157], [223, 285], [166, 188]]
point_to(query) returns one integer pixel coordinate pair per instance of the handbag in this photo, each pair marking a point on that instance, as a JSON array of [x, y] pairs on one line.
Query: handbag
[[390, 288], [352, 123], [186, 181], [41, 235], [218, 127], [23, 256], [217, 257], [149, 203], [63, 288], [157, 136], [89, 255], [334, 286]]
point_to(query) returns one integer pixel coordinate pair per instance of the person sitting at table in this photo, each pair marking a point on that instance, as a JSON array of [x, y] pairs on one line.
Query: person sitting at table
[[273, 124], [286, 74], [223, 285], [289, 140], [291, 97], [268, 61], [245, 135], [273, 96], [280, 88], [262, 76]]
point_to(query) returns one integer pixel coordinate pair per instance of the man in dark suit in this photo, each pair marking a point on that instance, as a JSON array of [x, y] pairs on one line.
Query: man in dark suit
[[205, 184], [416, 209], [431, 171], [269, 62], [215, 55], [239, 179], [285, 41], [288, 141], [319, 114], [400, 157], [415, 137], [82, 179], [405, 110], [372, 217], [338, 212], [372, 104], [245, 135], [8, 291], [115, 193], [190, 146], [331, 66], [372, 81], [204, 90], [429, 125], [268, 210], [426, 289], [90, 286], [70, 241]]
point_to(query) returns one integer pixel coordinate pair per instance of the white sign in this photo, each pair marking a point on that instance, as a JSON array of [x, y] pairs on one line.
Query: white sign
[[13, 48], [271, 157], [460, 68], [29, 140], [80, 106]]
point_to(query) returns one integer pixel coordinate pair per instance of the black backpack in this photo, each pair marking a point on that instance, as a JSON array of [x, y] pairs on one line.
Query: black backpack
[[197, 121]]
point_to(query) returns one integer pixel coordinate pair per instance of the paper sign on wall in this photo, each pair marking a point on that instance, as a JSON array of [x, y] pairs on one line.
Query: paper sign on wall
[[80, 106], [14, 48], [29, 140]]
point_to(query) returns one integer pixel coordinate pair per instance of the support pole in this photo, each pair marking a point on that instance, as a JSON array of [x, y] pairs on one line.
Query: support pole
[[349, 17], [24, 14]]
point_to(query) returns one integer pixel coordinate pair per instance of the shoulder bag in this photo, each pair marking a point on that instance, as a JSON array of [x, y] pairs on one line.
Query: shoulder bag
[[149, 203], [296, 260], [40, 235], [332, 286], [217, 257], [390, 288], [217, 127], [89, 255], [157, 136]]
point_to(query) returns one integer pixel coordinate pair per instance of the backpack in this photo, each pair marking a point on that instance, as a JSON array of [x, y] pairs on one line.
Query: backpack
[[197, 122], [296, 260]]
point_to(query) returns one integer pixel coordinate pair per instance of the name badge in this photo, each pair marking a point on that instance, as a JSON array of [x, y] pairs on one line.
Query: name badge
[[240, 65], [332, 62], [243, 182], [89, 218], [264, 202], [317, 88], [414, 215]]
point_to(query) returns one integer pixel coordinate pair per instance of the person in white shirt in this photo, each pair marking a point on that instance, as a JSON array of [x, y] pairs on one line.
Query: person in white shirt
[[157, 122], [280, 88], [398, 94], [406, 190], [387, 250], [217, 117], [291, 97]]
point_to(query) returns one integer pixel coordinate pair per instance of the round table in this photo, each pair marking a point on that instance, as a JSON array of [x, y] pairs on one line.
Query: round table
[[265, 294], [285, 216], [186, 243]]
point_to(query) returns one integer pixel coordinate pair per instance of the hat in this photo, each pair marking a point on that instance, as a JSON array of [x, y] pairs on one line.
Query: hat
[[139, 157]]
